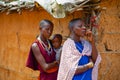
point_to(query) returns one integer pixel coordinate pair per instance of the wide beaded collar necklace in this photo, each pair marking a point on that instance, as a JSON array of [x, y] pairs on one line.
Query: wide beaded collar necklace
[[47, 48]]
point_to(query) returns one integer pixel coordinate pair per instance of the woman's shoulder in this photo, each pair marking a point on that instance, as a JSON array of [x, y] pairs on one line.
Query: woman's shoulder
[[35, 44], [68, 41]]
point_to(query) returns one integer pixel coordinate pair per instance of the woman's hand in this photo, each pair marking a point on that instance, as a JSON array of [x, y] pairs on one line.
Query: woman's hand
[[56, 63], [89, 35], [83, 68], [90, 64], [53, 69]]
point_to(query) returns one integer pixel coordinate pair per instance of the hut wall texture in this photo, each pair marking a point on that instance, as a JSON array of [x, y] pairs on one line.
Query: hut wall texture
[[17, 32]]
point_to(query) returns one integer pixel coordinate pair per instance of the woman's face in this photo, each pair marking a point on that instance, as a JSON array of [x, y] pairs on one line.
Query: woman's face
[[79, 29], [46, 30]]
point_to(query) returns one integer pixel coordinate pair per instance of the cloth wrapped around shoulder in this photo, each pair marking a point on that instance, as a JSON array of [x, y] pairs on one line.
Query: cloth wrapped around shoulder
[[70, 57]]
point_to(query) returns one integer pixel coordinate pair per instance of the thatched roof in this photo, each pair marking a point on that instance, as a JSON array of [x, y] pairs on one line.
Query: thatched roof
[[16, 5], [57, 8]]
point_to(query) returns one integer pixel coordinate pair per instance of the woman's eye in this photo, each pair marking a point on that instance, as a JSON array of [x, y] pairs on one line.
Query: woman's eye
[[47, 28], [80, 26]]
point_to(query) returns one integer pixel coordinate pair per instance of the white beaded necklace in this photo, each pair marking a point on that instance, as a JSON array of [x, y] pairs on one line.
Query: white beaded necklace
[[47, 48]]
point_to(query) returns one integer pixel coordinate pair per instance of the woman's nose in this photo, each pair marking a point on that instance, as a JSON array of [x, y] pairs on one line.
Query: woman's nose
[[49, 31], [83, 27]]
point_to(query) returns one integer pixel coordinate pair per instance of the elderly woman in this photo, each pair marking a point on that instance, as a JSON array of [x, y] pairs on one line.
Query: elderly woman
[[79, 58]]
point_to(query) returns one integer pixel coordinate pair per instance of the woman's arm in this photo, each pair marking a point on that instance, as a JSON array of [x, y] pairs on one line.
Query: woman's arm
[[92, 41], [94, 52], [83, 68], [49, 68]]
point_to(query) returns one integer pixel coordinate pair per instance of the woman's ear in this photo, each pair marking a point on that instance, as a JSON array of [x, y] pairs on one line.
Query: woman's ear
[[40, 28], [73, 29]]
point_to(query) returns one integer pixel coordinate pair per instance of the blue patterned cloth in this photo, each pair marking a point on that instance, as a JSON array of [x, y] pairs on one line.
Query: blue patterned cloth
[[87, 75]]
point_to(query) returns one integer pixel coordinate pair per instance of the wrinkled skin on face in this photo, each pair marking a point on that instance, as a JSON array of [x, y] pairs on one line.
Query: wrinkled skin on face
[[79, 29]]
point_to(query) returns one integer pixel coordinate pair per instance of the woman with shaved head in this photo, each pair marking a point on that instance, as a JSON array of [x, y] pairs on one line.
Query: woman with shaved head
[[79, 57], [42, 55]]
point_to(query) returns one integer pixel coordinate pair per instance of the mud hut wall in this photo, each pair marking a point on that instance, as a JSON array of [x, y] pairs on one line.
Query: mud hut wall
[[17, 32]]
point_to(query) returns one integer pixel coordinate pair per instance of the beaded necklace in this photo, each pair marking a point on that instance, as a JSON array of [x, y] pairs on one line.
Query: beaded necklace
[[47, 48]]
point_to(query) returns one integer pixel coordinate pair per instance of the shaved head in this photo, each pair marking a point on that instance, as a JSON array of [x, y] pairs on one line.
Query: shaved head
[[73, 22], [44, 22]]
